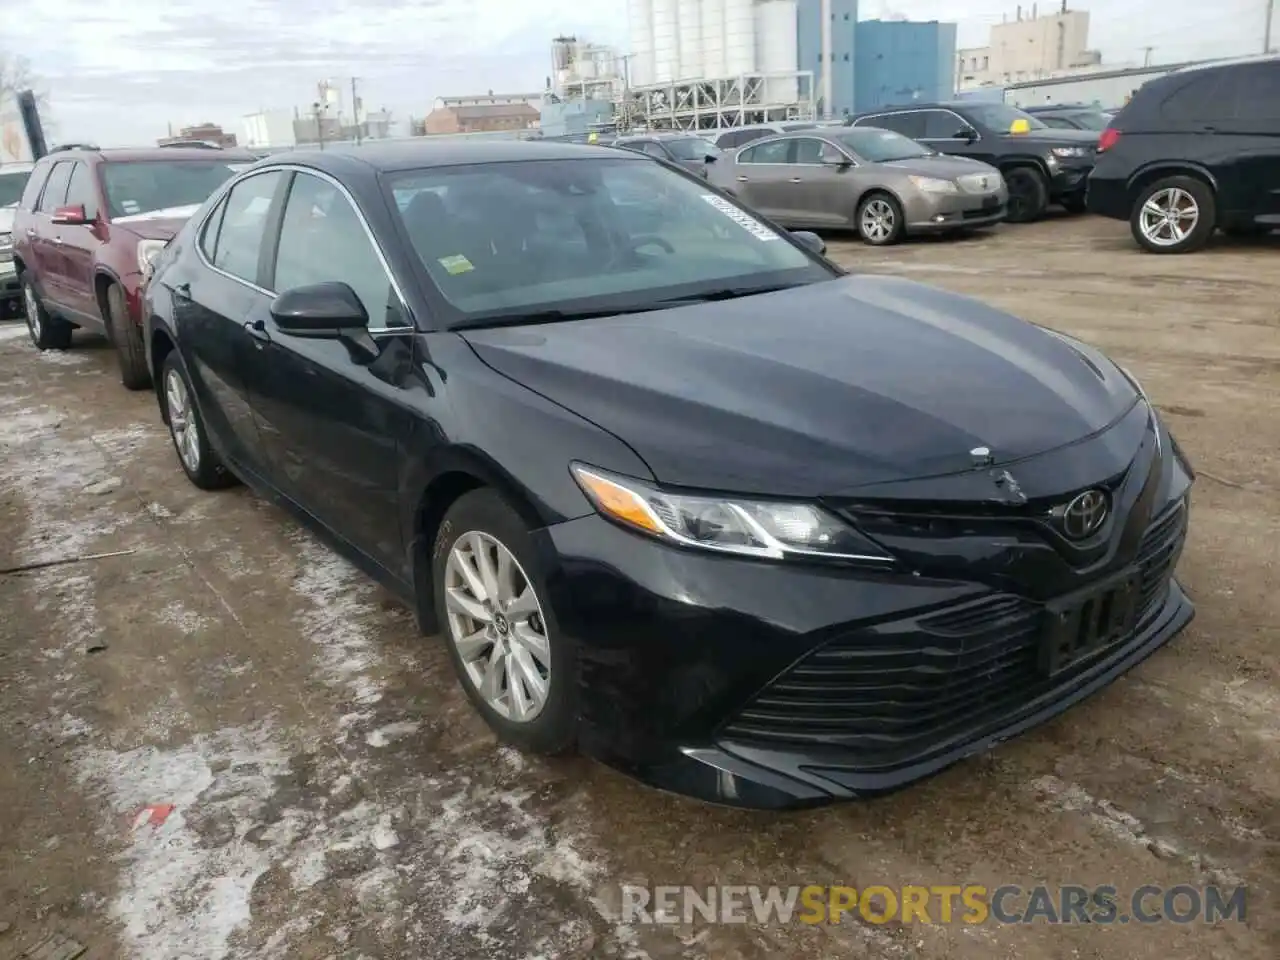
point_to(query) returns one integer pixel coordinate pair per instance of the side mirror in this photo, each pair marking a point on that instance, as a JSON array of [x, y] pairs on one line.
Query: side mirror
[[811, 240], [711, 157], [840, 163], [967, 134], [325, 310], [70, 216]]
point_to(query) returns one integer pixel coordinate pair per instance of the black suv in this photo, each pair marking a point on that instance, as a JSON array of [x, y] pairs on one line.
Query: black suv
[[1194, 150], [1041, 165]]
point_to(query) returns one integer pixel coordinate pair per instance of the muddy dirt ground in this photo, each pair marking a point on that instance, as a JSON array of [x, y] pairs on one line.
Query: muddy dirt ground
[[313, 784]]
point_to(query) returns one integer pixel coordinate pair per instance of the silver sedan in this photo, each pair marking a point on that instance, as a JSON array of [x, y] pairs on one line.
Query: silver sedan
[[877, 182]]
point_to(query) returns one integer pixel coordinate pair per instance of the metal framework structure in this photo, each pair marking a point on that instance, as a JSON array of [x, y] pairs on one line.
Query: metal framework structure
[[716, 104]]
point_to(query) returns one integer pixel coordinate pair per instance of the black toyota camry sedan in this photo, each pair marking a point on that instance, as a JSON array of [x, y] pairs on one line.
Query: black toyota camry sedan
[[675, 490]]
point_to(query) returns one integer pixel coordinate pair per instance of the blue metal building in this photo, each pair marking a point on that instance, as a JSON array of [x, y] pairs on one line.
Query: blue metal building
[[844, 29], [900, 61]]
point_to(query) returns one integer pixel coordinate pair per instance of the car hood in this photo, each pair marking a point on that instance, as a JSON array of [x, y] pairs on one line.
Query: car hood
[[818, 389], [1057, 136], [156, 224], [939, 165]]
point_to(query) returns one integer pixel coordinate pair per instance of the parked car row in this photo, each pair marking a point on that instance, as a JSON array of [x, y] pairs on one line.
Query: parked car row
[[13, 180], [665, 479]]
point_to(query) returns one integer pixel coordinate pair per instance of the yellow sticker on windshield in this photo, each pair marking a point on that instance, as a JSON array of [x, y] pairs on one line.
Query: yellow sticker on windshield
[[457, 264], [1020, 126], [593, 137]]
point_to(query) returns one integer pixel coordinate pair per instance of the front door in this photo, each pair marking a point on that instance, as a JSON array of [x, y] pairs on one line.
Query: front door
[[46, 243], [212, 307], [763, 178], [79, 243], [332, 416]]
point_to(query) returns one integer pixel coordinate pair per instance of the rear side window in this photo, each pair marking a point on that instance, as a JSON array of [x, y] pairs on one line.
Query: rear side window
[[244, 225], [209, 235], [1256, 92], [39, 176], [908, 124], [1198, 99], [55, 191]]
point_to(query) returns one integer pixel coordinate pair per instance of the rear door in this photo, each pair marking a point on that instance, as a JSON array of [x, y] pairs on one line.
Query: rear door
[[332, 419], [214, 304], [80, 243], [763, 177], [822, 196], [1251, 93], [46, 245]]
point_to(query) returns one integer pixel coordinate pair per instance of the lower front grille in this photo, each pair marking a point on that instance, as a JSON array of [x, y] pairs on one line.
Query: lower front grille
[[894, 693]]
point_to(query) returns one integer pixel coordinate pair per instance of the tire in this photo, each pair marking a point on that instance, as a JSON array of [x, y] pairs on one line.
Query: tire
[[482, 520], [879, 220], [47, 332], [198, 460], [1198, 215], [1028, 194], [127, 338], [1074, 203]]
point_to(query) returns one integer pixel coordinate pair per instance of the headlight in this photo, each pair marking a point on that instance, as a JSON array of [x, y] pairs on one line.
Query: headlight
[[6, 246], [752, 528], [1070, 152], [934, 185], [148, 250]]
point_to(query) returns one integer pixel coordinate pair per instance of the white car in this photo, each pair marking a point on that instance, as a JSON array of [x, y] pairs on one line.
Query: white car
[[13, 180]]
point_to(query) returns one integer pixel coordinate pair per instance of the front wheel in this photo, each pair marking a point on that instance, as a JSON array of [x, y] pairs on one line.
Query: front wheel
[[517, 669], [1074, 204], [880, 220], [1028, 194], [127, 338], [1174, 215]]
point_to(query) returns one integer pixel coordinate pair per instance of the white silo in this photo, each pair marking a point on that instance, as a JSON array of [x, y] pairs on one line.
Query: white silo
[[640, 69], [739, 37]]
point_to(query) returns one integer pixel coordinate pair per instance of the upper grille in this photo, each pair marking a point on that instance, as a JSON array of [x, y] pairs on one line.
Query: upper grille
[[894, 693]]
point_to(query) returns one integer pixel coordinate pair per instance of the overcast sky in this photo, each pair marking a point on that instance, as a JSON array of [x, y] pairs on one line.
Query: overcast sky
[[120, 72]]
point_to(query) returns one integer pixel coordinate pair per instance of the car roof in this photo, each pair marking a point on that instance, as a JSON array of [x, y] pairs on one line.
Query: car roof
[[425, 152], [135, 154], [670, 135]]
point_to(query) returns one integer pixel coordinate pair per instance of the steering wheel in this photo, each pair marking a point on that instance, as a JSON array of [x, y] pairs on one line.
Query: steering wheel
[[651, 240]]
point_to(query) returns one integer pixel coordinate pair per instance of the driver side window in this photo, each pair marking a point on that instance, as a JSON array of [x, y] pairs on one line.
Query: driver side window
[[322, 239]]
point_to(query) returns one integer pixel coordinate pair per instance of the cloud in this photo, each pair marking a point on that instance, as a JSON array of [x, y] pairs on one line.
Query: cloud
[[120, 71]]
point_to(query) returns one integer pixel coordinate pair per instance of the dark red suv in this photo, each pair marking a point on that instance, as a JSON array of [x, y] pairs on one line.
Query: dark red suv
[[88, 224]]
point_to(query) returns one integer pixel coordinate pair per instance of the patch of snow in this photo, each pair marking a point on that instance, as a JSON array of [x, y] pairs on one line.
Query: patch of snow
[[391, 731], [175, 862], [384, 835], [61, 358], [13, 330], [186, 621], [159, 511], [337, 600]]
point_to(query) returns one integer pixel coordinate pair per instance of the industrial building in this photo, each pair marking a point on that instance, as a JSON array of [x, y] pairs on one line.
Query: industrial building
[[1030, 47], [900, 61], [204, 132], [1106, 89]]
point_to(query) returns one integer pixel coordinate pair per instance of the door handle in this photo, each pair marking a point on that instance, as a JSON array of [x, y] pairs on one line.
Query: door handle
[[58, 241], [795, 180], [258, 330], [31, 232], [182, 292], [742, 179]]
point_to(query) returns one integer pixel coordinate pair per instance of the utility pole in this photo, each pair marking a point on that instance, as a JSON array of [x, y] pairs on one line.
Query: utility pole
[[1146, 56], [355, 108], [1266, 31], [319, 124]]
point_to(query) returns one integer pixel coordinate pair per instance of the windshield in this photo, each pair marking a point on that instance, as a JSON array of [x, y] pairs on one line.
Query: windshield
[[1001, 117], [692, 148], [1091, 119], [880, 146], [11, 187], [144, 186], [599, 234]]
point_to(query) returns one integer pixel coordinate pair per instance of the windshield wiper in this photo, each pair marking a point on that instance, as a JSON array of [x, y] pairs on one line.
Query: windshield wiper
[[547, 316], [724, 293]]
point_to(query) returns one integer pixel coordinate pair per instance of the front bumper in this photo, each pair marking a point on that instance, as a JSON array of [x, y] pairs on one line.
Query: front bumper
[[1070, 180], [9, 285], [936, 213], [787, 685]]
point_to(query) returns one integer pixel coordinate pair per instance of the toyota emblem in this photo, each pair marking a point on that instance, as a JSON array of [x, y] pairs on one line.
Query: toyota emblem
[[1085, 515]]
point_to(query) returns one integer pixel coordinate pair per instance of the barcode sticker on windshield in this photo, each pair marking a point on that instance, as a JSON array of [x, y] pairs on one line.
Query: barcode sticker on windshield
[[744, 220]]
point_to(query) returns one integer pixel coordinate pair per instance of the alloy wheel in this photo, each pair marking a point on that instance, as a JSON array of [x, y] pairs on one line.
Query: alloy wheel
[[33, 312], [1169, 216], [182, 421], [496, 625], [877, 221]]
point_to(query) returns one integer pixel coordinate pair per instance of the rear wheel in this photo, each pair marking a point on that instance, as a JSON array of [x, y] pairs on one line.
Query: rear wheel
[[47, 332], [1174, 215], [127, 337], [1028, 194], [880, 220], [199, 461]]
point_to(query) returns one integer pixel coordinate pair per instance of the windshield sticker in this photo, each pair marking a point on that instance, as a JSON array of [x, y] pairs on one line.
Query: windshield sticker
[[457, 264], [744, 220], [130, 206]]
